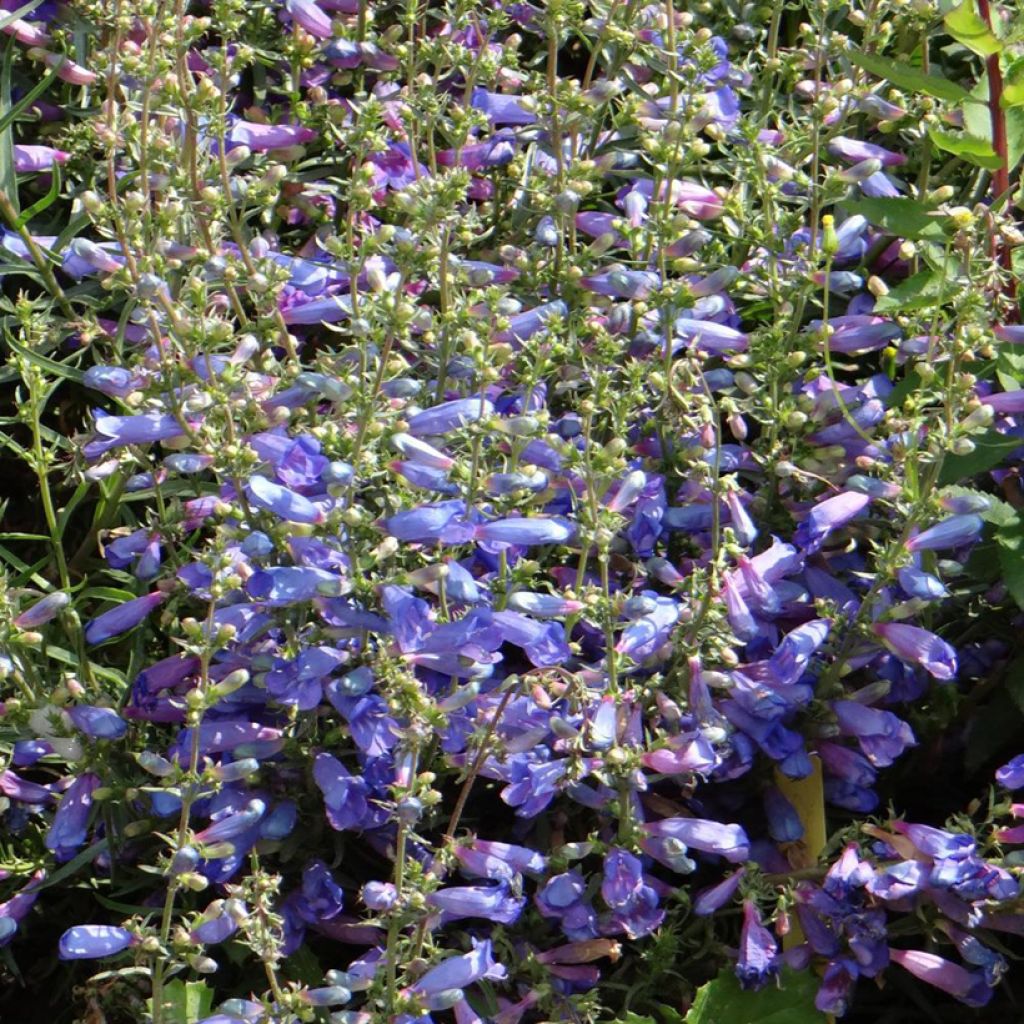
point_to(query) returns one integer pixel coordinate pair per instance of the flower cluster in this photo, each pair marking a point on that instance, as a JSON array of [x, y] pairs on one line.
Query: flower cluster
[[498, 518]]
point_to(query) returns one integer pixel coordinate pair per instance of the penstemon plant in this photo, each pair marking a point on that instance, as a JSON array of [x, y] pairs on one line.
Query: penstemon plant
[[512, 511]]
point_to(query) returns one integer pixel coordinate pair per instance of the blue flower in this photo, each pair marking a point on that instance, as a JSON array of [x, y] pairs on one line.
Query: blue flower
[[123, 617], [89, 941], [758, 960], [68, 830]]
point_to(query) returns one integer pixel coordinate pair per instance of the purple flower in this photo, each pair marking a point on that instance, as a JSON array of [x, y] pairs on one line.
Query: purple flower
[[855, 151], [758, 960], [233, 824], [43, 611], [216, 925], [261, 137], [98, 723], [118, 431], [122, 618], [531, 322], [622, 284], [449, 416], [708, 336], [641, 638], [633, 903], [307, 14], [728, 841], [707, 901], [444, 522], [563, 897], [500, 108], [826, 516], [31, 159], [89, 941], [970, 987], [286, 504], [458, 972], [493, 902], [345, 795], [526, 531], [1011, 774], [784, 824], [417, 450], [68, 830], [15, 910], [289, 584], [881, 735], [950, 533], [919, 647]]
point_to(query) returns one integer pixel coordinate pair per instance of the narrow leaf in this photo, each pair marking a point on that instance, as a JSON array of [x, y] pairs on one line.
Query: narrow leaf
[[906, 77]]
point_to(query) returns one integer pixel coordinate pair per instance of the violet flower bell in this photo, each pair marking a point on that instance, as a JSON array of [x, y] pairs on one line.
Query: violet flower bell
[[68, 830], [918, 647], [122, 617], [457, 973], [826, 516], [310, 17], [44, 610], [969, 987], [91, 941], [759, 952], [728, 841]]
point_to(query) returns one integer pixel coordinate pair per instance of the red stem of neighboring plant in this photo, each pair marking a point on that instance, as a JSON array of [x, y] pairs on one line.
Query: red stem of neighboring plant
[[1001, 176]]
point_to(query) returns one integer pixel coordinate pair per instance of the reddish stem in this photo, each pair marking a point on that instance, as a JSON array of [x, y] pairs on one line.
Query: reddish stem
[[1001, 176]]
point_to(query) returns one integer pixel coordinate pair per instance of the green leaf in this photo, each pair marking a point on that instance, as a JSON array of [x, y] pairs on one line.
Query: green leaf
[[87, 856], [906, 77], [41, 205], [1010, 539], [304, 966], [924, 289], [185, 1002], [51, 366], [978, 122], [966, 26], [968, 147], [791, 1001], [903, 390], [905, 218], [1013, 85], [8, 178], [1010, 368], [989, 450], [11, 113]]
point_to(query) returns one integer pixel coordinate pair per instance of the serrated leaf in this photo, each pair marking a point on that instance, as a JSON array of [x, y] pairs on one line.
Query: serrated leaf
[[968, 27], [1013, 86], [185, 1002], [791, 1001], [989, 450], [905, 218], [906, 77], [974, 150], [1010, 368]]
